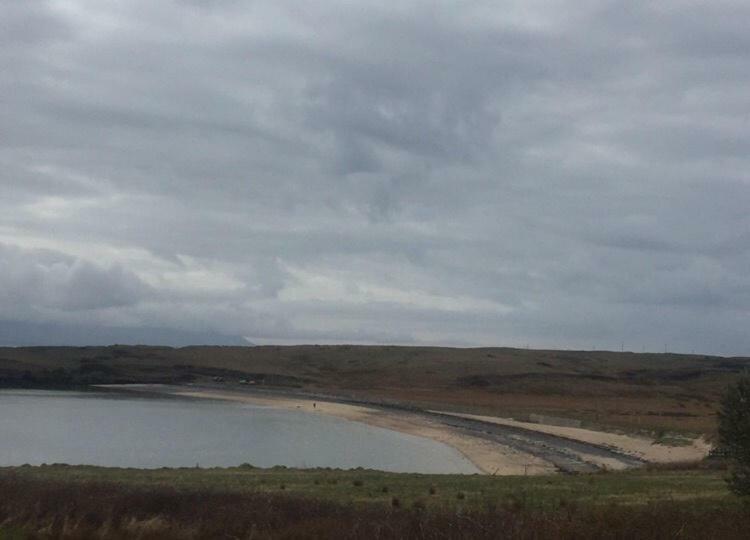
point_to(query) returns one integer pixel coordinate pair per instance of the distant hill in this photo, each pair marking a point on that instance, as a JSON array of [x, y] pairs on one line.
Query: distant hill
[[27, 334], [659, 393]]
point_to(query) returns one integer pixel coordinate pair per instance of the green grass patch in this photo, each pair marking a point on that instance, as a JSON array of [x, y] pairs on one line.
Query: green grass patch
[[12, 533], [361, 486], [180, 504]]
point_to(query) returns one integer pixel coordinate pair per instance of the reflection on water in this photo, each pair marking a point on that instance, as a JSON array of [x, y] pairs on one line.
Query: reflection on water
[[121, 430]]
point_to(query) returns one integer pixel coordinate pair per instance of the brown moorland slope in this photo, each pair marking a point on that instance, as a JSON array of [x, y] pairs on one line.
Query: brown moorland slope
[[655, 392]]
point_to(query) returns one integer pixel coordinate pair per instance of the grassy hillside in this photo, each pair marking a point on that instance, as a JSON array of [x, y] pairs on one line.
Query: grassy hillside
[[656, 392]]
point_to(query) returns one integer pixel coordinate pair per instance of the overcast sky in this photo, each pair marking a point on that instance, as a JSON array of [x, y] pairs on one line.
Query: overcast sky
[[552, 174]]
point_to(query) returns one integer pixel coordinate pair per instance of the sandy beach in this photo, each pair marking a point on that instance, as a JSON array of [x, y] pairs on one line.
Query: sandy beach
[[641, 447], [488, 456]]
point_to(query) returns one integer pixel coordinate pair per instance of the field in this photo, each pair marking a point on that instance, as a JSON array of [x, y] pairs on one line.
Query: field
[[82, 502], [655, 393]]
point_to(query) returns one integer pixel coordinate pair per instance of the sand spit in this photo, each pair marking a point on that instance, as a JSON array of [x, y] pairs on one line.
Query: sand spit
[[494, 445], [640, 447], [488, 456]]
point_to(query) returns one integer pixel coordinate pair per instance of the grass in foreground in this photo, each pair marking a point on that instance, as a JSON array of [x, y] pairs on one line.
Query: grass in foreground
[[86, 502], [706, 487]]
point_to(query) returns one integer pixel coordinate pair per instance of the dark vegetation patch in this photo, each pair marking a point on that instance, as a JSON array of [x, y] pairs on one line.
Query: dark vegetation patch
[[664, 375], [89, 372], [732, 364], [84, 366], [489, 379], [269, 379]]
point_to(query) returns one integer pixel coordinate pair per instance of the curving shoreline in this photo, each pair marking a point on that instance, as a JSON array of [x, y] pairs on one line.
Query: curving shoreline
[[495, 446], [487, 456]]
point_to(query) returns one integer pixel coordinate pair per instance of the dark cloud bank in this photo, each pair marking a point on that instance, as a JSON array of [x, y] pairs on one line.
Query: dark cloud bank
[[559, 174]]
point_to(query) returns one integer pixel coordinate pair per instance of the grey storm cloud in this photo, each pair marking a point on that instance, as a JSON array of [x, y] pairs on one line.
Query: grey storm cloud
[[47, 280], [559, 174]]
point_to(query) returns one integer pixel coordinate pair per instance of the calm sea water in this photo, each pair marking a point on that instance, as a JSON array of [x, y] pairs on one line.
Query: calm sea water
[[125, 431]]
